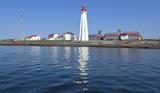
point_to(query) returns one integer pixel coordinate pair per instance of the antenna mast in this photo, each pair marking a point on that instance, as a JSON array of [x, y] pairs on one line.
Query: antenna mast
[[21, 26]]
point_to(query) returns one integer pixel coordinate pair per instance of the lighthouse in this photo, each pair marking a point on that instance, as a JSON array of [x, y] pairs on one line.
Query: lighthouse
[[83, 35]]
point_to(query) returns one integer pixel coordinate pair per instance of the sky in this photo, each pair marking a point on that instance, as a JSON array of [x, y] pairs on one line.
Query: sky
[[44, 17]]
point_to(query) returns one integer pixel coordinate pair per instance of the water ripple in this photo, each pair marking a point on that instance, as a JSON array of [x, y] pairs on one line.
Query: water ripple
[[78, 70]]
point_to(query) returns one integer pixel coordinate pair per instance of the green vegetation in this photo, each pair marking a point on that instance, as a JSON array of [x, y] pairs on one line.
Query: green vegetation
[[95, 43]]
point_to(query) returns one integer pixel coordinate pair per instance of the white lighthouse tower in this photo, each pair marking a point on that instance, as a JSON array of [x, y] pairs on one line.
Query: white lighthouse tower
[[83, 35]]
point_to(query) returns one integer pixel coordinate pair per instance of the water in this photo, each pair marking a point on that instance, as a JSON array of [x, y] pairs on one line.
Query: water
[[78, 70]]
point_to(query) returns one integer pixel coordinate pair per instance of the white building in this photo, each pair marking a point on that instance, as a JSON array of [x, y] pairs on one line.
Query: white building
[[53, 37], [69, 36], [33, 38], [131, 36], [83, 35]]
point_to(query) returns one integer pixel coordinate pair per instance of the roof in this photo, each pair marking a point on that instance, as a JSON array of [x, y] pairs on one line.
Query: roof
[[130, 34], [100, 36], [111, 34], [50, 35], [69, 33], [31, 36]]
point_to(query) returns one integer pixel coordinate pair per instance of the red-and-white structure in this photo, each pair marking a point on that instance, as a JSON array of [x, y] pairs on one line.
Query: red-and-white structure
[[131, 36], [83, 35], [121, 36], [53, 37], [111, 36], [33, 38]]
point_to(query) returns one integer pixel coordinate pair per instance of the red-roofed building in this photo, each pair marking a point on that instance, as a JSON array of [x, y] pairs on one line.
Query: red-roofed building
[[112, 36], [33, 37], [54, 37], [131, 36]]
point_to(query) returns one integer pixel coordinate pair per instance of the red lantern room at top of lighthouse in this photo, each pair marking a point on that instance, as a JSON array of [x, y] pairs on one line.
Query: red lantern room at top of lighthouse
[[83, 8]]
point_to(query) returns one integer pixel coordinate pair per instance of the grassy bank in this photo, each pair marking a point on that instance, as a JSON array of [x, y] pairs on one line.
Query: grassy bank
[[97, 43]]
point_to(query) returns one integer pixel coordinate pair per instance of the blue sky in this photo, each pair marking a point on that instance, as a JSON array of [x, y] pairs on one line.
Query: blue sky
[[58, 16]]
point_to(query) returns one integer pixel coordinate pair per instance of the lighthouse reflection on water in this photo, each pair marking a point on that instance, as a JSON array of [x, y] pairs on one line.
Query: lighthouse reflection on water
[[83, 61]]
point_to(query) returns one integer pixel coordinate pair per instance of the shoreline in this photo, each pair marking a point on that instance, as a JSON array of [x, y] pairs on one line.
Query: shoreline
[[147, 44]]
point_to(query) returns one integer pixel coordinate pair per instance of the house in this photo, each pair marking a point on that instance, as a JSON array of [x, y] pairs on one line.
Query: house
[[33, 37], [111, 36], [69, 36], [131, 36], [54, 37]]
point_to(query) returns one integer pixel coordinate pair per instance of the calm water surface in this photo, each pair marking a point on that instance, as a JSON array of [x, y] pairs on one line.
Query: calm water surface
[[78, 70]]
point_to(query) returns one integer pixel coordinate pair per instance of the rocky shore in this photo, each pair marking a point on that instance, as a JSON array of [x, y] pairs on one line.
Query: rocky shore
[[154, 44]]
